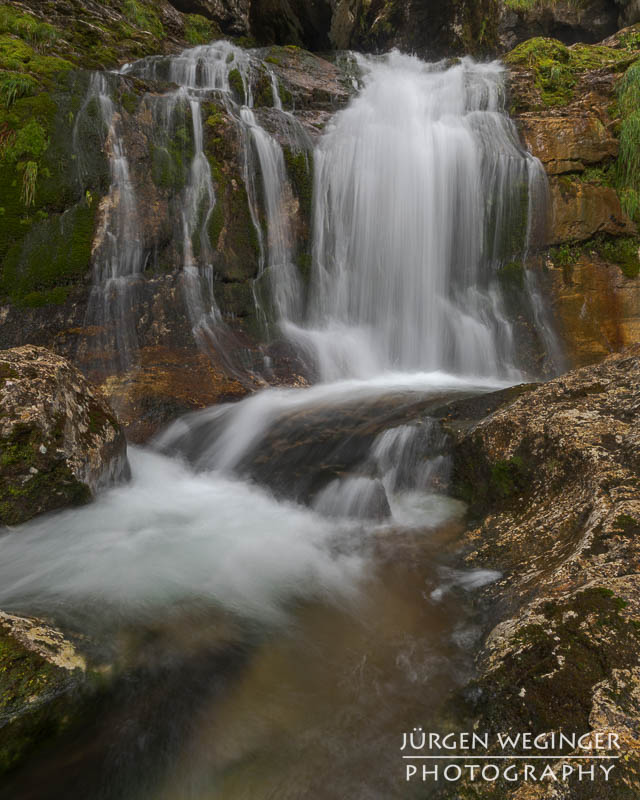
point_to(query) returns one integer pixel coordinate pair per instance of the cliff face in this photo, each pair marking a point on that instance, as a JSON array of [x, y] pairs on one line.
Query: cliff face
[[574, 110]]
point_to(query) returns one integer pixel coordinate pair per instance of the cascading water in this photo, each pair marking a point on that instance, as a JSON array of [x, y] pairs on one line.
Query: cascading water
[[119, 255], [201, 73], [421, 195]]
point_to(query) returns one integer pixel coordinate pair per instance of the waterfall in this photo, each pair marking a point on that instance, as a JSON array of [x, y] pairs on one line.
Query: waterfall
[[421, 196], [118, 254], [227, 74]]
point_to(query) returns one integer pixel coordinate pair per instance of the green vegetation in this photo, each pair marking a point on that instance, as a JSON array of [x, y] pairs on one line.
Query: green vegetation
[[628, 164], [557, 67], [26, 27], [237, 85], [14, 85], [54, 253], [530, 5], [546, 680], [511, 275], [622, 251], [199, 30], [53, 482], [300, 170], [144, 16]]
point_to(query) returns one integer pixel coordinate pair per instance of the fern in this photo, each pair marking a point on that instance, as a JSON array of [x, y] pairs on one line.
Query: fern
[[29, 180], [14, 86]]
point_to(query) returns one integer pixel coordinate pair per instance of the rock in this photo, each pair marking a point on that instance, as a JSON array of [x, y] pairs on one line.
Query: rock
[[565, 100], [553, 479], [595, 305], [59, 440], [42, 677], [581, 210], [568, 142], [570, 22], [232, 16], [281, 459]]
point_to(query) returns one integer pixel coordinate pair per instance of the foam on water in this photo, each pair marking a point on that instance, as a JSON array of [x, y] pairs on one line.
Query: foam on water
[[172, 536]]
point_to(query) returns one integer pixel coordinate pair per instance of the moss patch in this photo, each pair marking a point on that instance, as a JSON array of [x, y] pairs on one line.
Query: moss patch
[[557, 67], [199, 29], [30, 478], [54, 254]]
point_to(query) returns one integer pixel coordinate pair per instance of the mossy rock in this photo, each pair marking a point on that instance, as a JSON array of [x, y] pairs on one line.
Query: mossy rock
[[30, 476]]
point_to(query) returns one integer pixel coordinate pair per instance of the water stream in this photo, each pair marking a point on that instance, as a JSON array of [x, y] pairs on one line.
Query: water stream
[[279, 590]]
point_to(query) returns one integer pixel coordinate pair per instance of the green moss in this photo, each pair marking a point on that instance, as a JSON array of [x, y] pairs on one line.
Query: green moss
[[546, 682], [263, 92], [305, 263], [144, 16], [300, 170], [508, 478], [199, 30], [19, 56], [31, 481], [286, 98], [628, 163], [129, 101], [557, 67], [216, 223], [599, 176], [622, 251], [55, 252], [27, 27], [237, 85], [512, 275]]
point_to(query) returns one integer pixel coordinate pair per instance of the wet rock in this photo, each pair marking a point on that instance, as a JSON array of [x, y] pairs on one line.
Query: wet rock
[[565, 20], [581, 210], [553, 479], [595, 305], [41, 679], [568, 143], [59, 440], [232, 16]]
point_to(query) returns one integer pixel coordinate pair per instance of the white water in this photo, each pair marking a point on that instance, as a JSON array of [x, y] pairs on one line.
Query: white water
[[418, 186], [171, 537], [228, 432], [118, 253]]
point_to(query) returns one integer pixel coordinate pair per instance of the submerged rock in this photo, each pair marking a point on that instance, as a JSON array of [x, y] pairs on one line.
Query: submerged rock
[[59, 440]]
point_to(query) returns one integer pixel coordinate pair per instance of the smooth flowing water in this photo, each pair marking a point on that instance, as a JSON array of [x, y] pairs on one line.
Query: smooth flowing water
[[278, 592], [422, 194]]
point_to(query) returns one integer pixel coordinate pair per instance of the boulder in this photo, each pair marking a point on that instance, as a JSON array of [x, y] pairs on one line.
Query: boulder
[[42, 678], [552, 481], [59, 440]]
